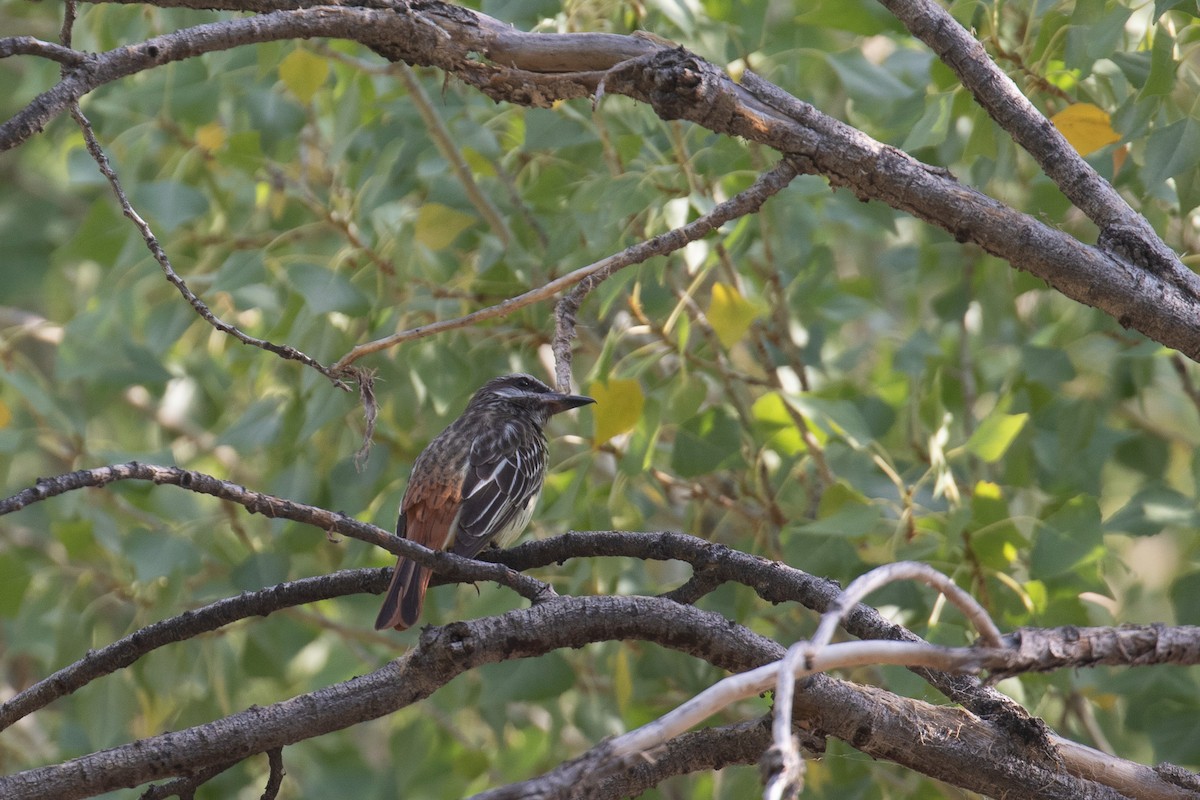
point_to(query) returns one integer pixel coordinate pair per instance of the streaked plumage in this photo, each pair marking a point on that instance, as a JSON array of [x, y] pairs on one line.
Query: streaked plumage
[[476, 483]]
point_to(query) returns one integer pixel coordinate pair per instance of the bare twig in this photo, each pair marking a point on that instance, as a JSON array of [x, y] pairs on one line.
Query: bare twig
[[745, 202], [1123, 231], [801, 659], [160, 256], [275, 779], [274, 507], [29, 46]]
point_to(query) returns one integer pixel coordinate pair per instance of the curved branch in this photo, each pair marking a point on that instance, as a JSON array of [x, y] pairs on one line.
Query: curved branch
[[939, 741], [587, 278], [446, 564], [441, 654], [30, 46], [125, 651], [1003, 101], [160, 257], [1162, 301]]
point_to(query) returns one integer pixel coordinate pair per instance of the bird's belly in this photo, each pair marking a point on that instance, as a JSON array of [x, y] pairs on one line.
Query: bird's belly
[[511, 532]]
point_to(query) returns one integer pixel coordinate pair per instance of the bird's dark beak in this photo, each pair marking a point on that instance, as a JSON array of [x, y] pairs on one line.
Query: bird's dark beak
[[558, 403]]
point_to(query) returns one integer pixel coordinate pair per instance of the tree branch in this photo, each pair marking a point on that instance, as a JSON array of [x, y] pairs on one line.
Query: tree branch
[[538, 69]]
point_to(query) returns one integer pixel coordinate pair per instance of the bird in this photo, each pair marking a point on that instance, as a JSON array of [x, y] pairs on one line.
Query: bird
[[475, 484]]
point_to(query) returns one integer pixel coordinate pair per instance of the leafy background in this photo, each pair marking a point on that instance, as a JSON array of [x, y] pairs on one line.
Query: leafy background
[[829, 383]]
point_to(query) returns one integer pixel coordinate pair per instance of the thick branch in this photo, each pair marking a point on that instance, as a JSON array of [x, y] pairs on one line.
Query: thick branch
[[1127, 231], [1162, 301], [446, 564], [441, 654], [125, 651], [941, 742]]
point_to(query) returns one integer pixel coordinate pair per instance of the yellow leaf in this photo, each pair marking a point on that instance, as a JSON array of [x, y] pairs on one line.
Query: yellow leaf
[[268, 197], [988, 490], [5, 415], [210, 137], [1086, 127], [618, 408], [438, 225], [730, 314], [303, 73], [622, 680]]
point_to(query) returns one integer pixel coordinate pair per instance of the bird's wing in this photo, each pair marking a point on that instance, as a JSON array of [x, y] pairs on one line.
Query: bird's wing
[[427, 514], [504, 477]]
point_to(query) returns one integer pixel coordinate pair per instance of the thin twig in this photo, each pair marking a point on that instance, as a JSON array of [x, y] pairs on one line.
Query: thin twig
[[160, 256], [745, 202], [591, 276]]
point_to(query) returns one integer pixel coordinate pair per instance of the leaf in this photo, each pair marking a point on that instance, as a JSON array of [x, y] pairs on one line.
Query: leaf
[[325, 290], [303, 73], [211, 137], [843, 512], [1163, 6], [931, 129], [1171, 150], [1161, 79], [14, 580], [5, 414], [1185, 598], [992, 438], [172, 203], [730, 314], [622, 680], [1086, 127], [619, 404], [1068, 537], [707, 442], [438, 225], [771, 415], [1151, 510]]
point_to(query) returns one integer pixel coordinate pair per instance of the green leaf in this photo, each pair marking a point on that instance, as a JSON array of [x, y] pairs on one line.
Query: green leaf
[[169, 204], [771, 413], [1161, 79], [707, 442], [303, 73], [934, 124], [843, 512], [1185, 598], [1152, 509], [325, 290], [994, 435], [1163, 6], [14, 580], [1171, 150], [438, 225], [1067, 538]]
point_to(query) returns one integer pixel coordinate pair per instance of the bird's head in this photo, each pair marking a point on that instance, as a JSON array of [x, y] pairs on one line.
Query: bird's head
[[525, 394]]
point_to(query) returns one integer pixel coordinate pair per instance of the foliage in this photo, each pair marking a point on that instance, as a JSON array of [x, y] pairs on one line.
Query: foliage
[[829, 383]]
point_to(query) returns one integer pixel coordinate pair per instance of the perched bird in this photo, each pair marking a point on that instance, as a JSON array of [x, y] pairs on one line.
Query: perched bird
[[475, 484]]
